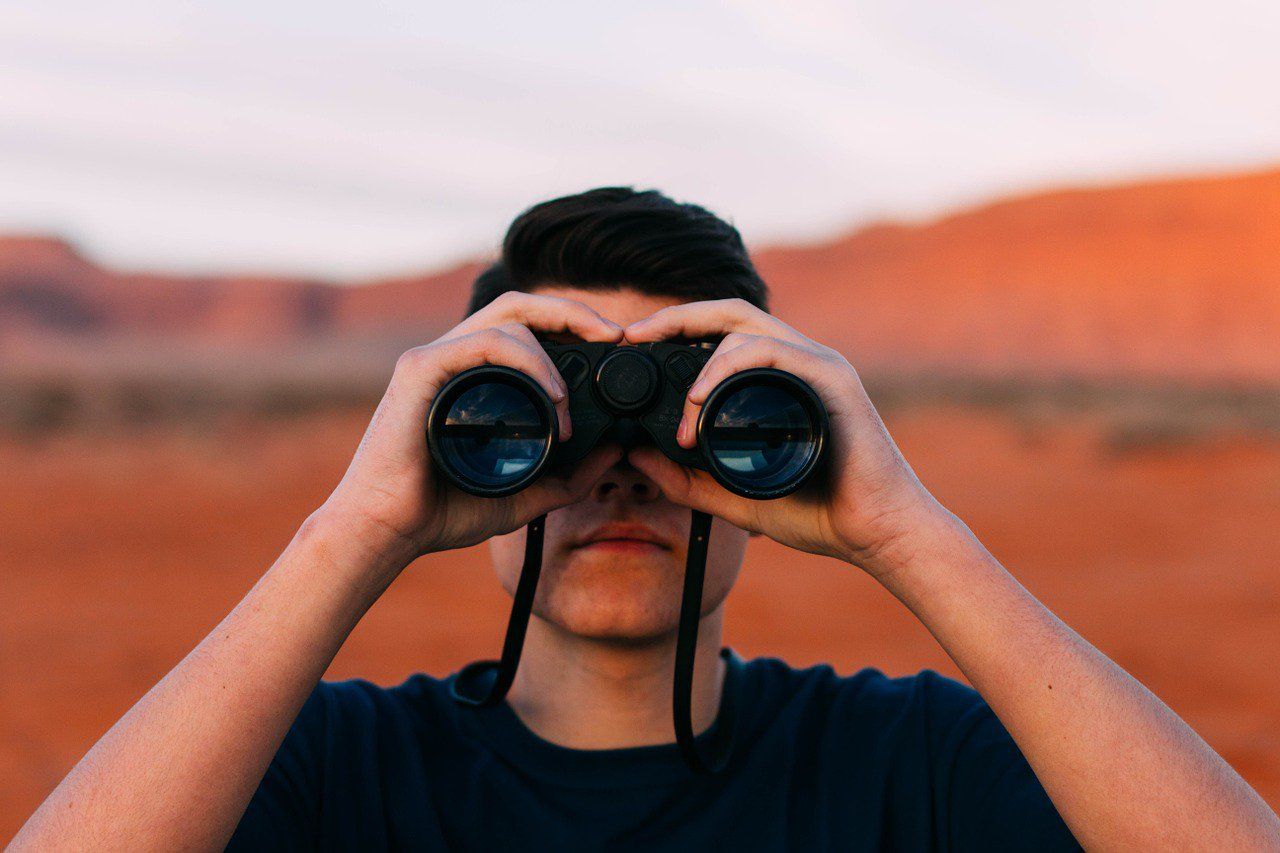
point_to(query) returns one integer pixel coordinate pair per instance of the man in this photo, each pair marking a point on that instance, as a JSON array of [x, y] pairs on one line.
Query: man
[[1055, 738]]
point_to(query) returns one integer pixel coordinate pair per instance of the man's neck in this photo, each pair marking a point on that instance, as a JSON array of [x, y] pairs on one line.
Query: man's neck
[[592, 694]]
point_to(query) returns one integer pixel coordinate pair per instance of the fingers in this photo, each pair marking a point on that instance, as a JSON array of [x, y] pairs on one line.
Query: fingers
[[541, 313], [692, 488], [426, 369], [517, 316], [526, 337], [739, 352], [714, 318], [554, 491]]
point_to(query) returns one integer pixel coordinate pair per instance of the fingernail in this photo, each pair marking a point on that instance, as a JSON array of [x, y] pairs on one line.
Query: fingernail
[[682, 432], [698, 388], [558, 389]]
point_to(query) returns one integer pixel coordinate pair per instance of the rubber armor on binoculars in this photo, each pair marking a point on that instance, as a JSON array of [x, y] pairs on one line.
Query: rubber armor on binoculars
[[492, 431]]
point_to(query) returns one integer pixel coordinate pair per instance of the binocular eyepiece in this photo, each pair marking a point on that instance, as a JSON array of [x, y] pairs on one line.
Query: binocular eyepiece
[[492, 431]]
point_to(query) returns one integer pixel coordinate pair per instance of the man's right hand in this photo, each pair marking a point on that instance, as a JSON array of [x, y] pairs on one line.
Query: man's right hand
[[390, 496]]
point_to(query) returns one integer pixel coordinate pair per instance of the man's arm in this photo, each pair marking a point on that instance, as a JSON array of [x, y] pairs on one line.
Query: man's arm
[[180, 767], [1122, 769], [178, 770]]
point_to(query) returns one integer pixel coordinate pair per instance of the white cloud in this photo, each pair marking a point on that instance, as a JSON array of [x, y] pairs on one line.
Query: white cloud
[[355, 139]]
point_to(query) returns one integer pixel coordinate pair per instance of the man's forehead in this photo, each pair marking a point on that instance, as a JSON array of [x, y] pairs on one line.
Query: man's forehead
[[623, 306]]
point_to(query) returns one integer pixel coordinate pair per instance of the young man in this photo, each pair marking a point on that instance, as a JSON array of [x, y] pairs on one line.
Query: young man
[[581, 755]]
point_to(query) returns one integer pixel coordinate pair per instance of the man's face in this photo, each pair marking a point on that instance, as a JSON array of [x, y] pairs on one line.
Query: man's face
[[613, 564]]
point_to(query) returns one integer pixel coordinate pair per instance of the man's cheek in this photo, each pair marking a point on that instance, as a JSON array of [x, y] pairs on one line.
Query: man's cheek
[[506, 554], [568, 524]]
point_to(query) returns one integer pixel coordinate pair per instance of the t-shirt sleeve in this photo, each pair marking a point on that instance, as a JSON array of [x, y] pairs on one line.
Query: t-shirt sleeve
[[989, 793], [284, 811]]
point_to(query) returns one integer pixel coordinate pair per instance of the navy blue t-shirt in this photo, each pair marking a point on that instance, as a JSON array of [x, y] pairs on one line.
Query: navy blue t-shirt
[[818, 762]]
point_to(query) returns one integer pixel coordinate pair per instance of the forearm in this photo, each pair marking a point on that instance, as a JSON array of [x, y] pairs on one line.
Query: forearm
[[180, 767], [1120, 766]]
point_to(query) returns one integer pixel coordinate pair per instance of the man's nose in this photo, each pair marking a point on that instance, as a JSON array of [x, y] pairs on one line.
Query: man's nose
[[624, 483]]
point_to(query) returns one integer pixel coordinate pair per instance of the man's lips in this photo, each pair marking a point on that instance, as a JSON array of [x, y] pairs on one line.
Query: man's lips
[[624, 536]]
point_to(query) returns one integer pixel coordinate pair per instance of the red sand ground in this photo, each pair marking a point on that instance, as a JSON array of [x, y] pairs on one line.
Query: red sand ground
[[118, 554]]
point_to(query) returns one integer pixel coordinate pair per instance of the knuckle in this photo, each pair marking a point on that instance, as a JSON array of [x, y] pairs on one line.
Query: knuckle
[[578, 312], [411, 359], [491, 336], [750, 353], [509, 299], [490, 341], [571, 304]]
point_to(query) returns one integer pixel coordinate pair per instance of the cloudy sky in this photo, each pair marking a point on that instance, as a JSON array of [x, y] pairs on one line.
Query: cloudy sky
[[355, 139]]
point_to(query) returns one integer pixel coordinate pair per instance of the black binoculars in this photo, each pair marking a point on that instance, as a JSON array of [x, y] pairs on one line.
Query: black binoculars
[[492, 430]]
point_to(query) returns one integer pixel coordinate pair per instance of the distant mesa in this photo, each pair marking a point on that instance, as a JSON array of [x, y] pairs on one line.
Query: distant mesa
[[1164, 280], [48, 287], [1175, 279]]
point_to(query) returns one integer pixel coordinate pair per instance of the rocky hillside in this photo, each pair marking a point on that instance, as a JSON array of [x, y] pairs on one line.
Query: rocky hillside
[[1164, 281], [1173, 280]]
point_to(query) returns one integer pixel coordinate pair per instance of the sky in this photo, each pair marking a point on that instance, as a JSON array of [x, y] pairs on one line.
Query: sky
[[353, 140]]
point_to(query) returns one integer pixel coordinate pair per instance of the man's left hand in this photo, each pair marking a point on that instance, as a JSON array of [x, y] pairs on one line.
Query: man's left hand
[[869, 505]]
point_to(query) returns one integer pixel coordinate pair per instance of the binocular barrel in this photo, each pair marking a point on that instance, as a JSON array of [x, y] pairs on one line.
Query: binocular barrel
[[492, 431]]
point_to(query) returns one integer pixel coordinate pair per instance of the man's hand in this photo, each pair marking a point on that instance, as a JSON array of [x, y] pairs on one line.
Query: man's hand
[[868, 502], [391, 497], [1075, 715]]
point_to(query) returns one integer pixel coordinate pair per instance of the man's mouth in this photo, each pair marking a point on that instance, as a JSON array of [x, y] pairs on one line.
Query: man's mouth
[[624, 537]]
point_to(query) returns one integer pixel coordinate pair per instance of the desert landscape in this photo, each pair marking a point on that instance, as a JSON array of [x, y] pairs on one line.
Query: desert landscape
[[1089, 377]]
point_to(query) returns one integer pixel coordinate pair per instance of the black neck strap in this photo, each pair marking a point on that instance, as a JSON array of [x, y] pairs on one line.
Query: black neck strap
[[469, 685], [695, 569]]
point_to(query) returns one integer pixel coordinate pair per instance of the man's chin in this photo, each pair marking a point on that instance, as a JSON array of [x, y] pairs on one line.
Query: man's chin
[[615, 629], [624, 606]]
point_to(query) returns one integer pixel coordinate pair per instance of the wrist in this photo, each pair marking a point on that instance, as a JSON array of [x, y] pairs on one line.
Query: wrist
[[924, 560], [906, 539], [356, 548]]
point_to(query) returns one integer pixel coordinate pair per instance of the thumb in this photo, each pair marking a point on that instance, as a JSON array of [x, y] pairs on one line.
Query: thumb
[[690, 487], [561, 489]]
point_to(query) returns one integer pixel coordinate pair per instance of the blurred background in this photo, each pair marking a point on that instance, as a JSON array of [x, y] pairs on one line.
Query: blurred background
[[1047, 234]]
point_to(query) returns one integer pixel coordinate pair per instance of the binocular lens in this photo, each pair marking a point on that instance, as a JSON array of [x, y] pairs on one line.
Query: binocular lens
[[763, 439], [494, 436]]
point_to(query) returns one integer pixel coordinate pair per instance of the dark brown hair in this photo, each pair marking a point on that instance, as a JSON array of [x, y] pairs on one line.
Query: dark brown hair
[[614, 237]]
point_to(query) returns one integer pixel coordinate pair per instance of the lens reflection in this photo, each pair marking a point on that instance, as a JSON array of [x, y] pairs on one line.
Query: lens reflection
[[762, 437], [493, 434]]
